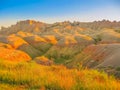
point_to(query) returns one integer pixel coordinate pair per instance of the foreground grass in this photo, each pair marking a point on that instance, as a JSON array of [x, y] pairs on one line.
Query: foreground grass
[[31, 76]]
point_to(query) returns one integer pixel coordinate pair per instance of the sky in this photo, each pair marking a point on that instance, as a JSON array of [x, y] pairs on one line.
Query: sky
[[51, 11]]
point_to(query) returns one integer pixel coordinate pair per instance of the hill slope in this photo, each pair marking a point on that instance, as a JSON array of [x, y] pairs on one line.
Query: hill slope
[[93, 44]]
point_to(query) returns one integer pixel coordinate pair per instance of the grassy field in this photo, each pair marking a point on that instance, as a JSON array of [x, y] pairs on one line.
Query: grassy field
[[31, 76]]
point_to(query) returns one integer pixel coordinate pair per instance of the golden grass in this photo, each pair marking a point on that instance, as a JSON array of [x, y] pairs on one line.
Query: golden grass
[[70, 39], [16, 41], [42, 58], [83, 36], [39, 39], [12, 55], [69, 27], [23, 75], [24, 34], [30, 22], [50, 38]]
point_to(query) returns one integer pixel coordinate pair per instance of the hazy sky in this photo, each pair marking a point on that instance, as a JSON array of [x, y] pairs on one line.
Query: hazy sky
[[51, 11]]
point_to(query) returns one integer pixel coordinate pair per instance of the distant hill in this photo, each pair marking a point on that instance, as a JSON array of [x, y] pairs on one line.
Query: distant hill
[[92, 44]]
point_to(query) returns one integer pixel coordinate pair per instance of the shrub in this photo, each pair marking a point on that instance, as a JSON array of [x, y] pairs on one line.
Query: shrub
[[97, 39], [118, 68]]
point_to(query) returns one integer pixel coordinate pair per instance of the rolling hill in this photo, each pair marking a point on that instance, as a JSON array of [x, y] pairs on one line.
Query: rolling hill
[[92, 44]]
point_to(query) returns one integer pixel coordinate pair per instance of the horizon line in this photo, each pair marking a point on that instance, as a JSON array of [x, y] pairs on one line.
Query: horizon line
[[72, 21]]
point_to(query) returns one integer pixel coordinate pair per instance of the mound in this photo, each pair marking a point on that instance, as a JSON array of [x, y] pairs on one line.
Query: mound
[[67, 40], [109, 36], [38, 43], [24, 34], [13, 40], [75, 39], [99, 55], [16, 41], [43, 61], [12, 55], [51, 38], [30, 50]]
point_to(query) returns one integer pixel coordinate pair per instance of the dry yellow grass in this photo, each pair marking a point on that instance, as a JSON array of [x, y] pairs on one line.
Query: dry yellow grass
[[30, 22], [32, 76], [24, 34], [12, 55], [15, 41], [51, 38]]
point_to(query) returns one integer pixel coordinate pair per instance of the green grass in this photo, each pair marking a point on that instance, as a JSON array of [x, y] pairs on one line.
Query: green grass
[[63, 53], [31, 76], [117, 30], [118, 68]]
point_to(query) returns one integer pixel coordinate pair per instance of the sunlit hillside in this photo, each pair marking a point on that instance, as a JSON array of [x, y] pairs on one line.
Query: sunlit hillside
[[60, 56]]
